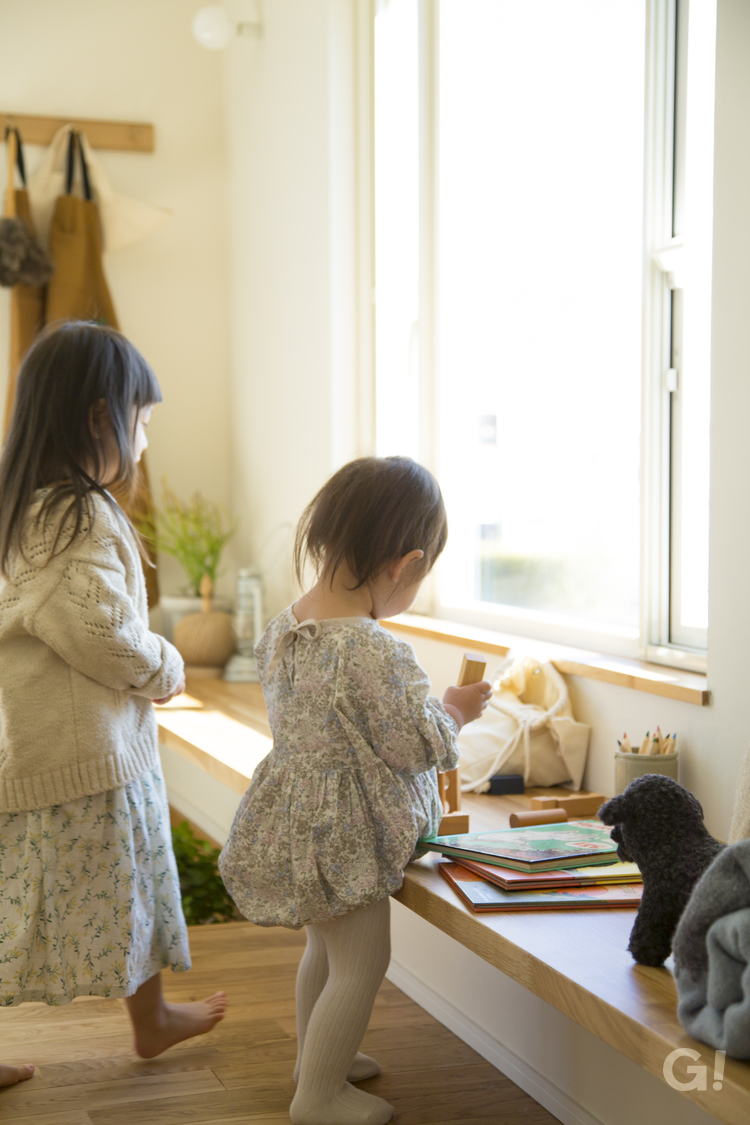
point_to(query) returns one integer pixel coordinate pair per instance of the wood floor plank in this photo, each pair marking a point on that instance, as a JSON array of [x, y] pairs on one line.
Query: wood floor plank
[[58, 1048], [85, 1071], [237, 1104], [27, 1099], [66, 1117], [379, 1019], [241, 1073], [252, 1119], [420, 1056], [494, 1103]]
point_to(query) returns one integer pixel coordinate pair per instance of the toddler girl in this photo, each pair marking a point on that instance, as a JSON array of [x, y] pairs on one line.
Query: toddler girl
[[89, 894], [333, 814]]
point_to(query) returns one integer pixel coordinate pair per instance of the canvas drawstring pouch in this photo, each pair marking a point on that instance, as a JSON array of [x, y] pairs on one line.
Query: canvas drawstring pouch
[[528, 728]]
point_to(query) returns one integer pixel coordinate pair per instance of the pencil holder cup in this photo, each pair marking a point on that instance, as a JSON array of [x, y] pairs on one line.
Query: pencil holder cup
[[630, 766]]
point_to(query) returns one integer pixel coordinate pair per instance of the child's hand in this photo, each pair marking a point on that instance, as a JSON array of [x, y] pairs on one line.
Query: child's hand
[[177, 691], [467, 703]]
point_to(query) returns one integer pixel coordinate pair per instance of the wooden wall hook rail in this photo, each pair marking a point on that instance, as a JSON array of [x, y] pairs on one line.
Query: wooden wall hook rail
[[120, 136]]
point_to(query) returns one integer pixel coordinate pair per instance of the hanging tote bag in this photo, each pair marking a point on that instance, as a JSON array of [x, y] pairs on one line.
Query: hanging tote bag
[[123, 220], [528, 728], [79, 291], [26, 298]]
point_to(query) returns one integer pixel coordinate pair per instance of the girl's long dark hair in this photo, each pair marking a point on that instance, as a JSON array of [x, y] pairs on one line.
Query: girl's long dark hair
[[75, 395]]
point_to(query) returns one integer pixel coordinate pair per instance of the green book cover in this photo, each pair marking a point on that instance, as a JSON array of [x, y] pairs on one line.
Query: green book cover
[[541, 847]]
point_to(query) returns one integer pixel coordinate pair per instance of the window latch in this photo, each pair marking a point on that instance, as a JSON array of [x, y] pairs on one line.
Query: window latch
[[671, 379], [671, 261]]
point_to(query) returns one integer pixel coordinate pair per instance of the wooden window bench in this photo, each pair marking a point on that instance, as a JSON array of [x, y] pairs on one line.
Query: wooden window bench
[[575, 960]]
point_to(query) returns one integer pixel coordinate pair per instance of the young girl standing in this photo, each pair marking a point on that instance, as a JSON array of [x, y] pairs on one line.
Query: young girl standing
[[333, 814], [89, 894]]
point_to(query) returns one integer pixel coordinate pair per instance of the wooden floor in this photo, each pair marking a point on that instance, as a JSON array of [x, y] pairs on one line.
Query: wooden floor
[[87, 1073]]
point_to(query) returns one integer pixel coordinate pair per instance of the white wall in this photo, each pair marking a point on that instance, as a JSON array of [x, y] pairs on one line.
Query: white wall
[[137, 61], [290, 130]]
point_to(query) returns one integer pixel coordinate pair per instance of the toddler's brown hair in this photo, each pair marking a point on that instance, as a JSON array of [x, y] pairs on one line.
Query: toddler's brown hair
[[372, 511]]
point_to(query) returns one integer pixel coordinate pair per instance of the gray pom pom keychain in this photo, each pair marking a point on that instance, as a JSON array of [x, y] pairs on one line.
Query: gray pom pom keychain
[[22, 259]]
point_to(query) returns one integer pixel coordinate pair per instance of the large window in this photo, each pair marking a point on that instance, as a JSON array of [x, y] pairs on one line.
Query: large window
[[534, 342]]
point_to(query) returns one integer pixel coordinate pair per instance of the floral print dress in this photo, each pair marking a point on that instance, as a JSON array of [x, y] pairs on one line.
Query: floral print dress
[[89, 896], [334, 811]]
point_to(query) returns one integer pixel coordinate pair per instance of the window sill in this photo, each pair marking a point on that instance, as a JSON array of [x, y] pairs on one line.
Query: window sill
[[687, 687]]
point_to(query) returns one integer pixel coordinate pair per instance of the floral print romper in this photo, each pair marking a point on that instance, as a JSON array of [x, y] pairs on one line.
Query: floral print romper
[[334, 811]]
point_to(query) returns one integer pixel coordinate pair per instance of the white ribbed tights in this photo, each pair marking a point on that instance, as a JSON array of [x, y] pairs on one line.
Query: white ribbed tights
[[338, 979]]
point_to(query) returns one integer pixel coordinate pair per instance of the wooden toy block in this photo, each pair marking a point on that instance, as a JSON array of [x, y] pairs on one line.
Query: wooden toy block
[[441, 789], [453, 823], [577, 804], [585, 805], [449, 784], [452, 791], [472, 669], [449, 790]]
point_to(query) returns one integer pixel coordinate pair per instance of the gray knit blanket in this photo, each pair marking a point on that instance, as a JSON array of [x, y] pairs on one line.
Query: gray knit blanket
[[711, 949]]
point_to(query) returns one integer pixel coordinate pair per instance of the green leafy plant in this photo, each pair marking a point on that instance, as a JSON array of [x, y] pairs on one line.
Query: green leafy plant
[[204, 897], [195, 533]]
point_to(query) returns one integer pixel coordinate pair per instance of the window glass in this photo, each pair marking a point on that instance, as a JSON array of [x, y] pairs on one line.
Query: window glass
[[691, 325], [540, 247], [397, 227]]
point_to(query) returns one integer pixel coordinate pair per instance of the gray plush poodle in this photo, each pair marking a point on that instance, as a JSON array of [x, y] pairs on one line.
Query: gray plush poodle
[[659, 826]]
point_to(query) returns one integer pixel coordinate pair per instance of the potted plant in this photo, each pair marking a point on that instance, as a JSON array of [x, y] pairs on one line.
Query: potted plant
[[205, 899], [195, 533]]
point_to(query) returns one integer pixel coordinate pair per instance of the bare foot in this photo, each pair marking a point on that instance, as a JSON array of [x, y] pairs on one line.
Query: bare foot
[[9, 1075], [176, 1022]]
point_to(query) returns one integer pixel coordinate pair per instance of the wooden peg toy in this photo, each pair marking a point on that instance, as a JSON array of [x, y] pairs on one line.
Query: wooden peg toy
[[449, 785], [577, 804], [538, 816]]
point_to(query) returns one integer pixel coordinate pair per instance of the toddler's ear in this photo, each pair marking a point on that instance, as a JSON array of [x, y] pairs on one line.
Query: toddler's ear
[[398, 566]]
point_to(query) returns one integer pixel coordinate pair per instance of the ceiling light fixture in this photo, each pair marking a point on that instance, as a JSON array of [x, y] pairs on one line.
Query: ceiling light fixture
[[214, 28]]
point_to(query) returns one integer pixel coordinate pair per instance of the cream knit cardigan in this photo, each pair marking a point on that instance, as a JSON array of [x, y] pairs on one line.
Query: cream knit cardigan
[[78, 665]]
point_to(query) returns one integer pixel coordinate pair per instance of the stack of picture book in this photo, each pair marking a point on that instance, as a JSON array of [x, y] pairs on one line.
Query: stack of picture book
[[568, 866]]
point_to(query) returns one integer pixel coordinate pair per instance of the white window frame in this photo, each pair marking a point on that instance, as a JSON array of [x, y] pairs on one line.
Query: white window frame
[[652, 641]]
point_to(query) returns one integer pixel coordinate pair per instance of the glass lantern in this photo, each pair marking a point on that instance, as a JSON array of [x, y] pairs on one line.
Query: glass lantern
[[248, 628]]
